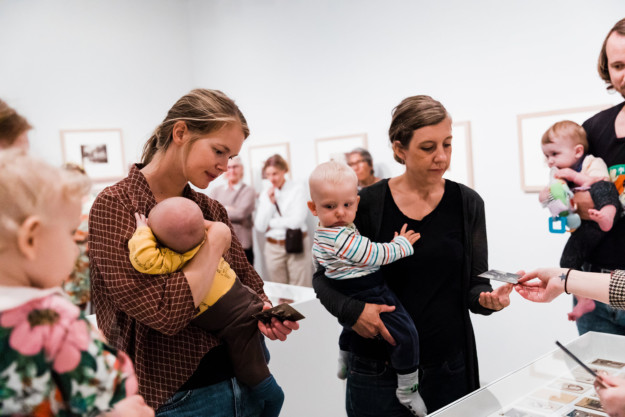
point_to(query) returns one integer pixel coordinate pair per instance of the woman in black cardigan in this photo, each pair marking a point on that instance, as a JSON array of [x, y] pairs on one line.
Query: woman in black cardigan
[[438, 285]]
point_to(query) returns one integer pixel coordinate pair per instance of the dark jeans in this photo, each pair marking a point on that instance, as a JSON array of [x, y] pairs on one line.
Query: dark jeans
[[603, 318], [224, 399], [405, 354], [371, 386]]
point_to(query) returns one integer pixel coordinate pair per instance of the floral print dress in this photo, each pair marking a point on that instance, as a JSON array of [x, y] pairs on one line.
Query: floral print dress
[[78, 285], [52, 362]]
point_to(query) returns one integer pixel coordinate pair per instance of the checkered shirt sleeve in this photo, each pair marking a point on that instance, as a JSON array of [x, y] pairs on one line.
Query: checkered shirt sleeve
[[617, 289], [148, 316]]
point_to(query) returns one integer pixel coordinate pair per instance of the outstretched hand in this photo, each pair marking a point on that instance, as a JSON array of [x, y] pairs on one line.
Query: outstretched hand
[[497, 299], [369, 324], [549, 285]]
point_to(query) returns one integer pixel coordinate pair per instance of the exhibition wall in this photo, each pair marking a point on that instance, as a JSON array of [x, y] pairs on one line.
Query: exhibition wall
[[305, 70]]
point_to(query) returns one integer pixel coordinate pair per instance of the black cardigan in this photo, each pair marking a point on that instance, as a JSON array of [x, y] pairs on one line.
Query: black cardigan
[[369, 220]]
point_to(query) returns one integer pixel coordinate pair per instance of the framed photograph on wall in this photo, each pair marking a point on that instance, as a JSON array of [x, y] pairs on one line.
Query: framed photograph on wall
[[334, 148], [258, 155], [461, 164], [99, 151], [531, 127]]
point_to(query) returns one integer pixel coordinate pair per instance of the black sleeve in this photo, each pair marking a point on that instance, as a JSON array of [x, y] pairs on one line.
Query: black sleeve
[[479, 252], [344, 308]]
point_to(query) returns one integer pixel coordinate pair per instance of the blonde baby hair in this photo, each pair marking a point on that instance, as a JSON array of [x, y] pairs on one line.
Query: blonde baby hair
[[27, 185], [566, 129], [333, 172]]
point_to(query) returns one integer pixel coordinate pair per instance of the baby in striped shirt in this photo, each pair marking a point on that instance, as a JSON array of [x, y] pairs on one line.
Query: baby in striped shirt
[[353, 263]]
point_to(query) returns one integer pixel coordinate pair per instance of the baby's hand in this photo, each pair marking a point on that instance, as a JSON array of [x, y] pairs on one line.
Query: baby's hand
[[408, 234], [141, 220], [566, 174]]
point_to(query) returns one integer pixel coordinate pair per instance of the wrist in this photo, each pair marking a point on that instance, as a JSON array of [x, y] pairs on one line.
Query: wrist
[[566, 280]]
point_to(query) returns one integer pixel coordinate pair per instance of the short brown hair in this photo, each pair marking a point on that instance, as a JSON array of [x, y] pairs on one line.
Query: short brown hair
[[276, 161], [203, 111], [12, 125], [569, 130], [602, 65], [411, 114]]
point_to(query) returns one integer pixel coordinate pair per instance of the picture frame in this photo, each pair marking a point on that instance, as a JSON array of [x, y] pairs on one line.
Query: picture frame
[[334, 148], [461, 164], [531, 127], [258, 154], [99, 151]]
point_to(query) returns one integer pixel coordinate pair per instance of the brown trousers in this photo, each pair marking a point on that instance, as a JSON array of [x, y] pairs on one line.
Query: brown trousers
[[230, 319]]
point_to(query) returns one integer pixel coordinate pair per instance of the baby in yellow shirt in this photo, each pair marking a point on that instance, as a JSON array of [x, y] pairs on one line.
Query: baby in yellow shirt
[[172, 235], [163, 243]]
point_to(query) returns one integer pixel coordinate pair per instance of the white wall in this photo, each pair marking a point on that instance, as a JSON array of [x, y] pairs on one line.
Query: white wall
[[72, 64], [302, 70]]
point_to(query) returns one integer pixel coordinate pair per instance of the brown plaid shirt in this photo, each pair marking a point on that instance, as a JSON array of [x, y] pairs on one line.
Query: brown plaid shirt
[[148, 316]]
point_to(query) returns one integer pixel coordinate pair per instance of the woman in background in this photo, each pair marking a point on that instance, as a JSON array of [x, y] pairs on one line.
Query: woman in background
[[360, 160], [283, 206]]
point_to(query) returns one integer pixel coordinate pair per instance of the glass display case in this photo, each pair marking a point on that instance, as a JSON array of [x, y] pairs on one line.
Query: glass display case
[[553, 385]]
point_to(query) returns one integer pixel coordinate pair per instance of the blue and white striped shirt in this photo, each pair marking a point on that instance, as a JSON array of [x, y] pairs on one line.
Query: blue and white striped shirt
[[345, 254]]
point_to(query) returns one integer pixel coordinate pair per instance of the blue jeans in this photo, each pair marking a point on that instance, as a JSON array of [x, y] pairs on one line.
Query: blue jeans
[[371, 386], [603, 318], [224, 399]]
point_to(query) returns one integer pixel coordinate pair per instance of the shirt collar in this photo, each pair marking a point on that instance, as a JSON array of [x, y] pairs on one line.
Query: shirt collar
[[11, 297]]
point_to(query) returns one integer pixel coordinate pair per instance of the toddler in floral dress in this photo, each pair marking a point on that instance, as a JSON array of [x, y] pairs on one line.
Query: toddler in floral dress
[[52, 363]]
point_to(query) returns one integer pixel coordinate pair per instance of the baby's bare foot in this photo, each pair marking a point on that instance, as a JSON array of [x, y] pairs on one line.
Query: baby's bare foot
[[604, 217]]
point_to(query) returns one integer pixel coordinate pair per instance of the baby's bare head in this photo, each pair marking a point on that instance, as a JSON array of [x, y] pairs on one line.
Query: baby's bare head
[[177, 223]]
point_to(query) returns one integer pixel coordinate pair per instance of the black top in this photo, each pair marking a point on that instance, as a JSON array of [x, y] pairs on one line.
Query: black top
[[372, 213], [604, 144], [435, 293]]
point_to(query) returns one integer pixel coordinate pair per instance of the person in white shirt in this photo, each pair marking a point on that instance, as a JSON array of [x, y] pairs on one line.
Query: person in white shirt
[[283, 206]]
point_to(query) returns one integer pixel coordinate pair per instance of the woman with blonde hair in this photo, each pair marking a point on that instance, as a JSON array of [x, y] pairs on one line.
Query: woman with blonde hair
[[182, 369]]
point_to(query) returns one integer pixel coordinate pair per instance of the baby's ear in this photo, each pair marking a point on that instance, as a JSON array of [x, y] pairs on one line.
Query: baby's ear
[[312, 207], [579, 150], [27, 235]]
